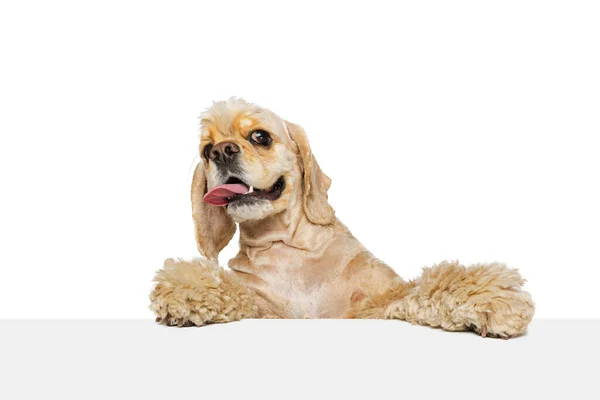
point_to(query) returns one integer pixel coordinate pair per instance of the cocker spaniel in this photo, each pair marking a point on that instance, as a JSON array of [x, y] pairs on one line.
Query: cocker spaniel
[[296, 259]]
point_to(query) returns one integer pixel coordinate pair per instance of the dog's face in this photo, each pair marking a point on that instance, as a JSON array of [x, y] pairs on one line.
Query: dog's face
[[254, 165], [249, 160]]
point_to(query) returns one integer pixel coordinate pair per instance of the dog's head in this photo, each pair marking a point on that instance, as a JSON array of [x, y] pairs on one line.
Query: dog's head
[[253, 165]]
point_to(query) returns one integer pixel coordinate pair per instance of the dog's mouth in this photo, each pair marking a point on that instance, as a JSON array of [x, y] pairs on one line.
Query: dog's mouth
[[235, 190]]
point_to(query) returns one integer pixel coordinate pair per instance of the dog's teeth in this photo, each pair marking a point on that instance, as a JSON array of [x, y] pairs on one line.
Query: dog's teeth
[[251, 189]]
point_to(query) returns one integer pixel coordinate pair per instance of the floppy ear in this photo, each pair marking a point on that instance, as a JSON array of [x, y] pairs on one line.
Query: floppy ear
[[214, 228], [315, 182]]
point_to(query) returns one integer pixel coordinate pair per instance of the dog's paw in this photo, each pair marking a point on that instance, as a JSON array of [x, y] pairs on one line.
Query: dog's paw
[[187, 293], [198, 293], [496, 306], [504, 314], [174, 307], [486, 298]]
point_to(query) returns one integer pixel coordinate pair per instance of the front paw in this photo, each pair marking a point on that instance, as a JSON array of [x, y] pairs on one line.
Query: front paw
[[198, 292], [186, 293], [496, 306], [172, 306]]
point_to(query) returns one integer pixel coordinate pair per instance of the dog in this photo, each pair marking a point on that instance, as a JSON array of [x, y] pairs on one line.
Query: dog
[[296, 259]]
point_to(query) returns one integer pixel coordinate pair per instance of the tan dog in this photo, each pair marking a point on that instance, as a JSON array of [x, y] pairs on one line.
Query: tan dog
[[296, 260]]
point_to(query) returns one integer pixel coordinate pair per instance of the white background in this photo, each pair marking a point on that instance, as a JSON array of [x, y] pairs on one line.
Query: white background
[[451, 130]]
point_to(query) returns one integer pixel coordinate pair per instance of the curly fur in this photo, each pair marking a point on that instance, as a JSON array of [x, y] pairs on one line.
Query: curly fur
[[486, 298], [199, 292]]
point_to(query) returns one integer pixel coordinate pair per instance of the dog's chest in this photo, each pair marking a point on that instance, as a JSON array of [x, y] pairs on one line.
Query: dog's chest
[[305, 287], [307, 290], [301, 301]]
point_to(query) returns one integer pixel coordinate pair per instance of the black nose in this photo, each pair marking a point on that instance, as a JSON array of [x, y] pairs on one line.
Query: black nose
[[224, 152]]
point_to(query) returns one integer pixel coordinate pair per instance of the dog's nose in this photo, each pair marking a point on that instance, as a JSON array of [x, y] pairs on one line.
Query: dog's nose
[[224, 152]]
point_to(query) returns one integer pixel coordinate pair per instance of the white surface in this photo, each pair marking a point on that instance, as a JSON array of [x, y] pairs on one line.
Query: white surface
[[479, 120], [125, 359]]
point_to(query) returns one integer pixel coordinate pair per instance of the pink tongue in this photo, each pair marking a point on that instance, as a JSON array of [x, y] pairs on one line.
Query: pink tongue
[[217, 196]]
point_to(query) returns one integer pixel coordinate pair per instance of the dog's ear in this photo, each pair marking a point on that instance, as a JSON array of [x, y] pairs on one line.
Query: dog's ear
[[214, 228], [315, 182]]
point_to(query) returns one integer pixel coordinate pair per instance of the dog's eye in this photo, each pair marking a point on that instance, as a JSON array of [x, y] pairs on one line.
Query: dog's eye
[[206, 151], [261, 137]]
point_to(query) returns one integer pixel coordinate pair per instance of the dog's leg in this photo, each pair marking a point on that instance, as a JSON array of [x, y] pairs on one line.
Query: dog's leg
[[199, 292], [486, 298]]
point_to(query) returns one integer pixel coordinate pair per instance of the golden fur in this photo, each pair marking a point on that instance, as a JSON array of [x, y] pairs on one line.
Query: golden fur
[[296, 260]]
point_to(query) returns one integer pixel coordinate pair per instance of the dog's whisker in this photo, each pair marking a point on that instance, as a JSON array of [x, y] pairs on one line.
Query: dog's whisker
[[194, 163]]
